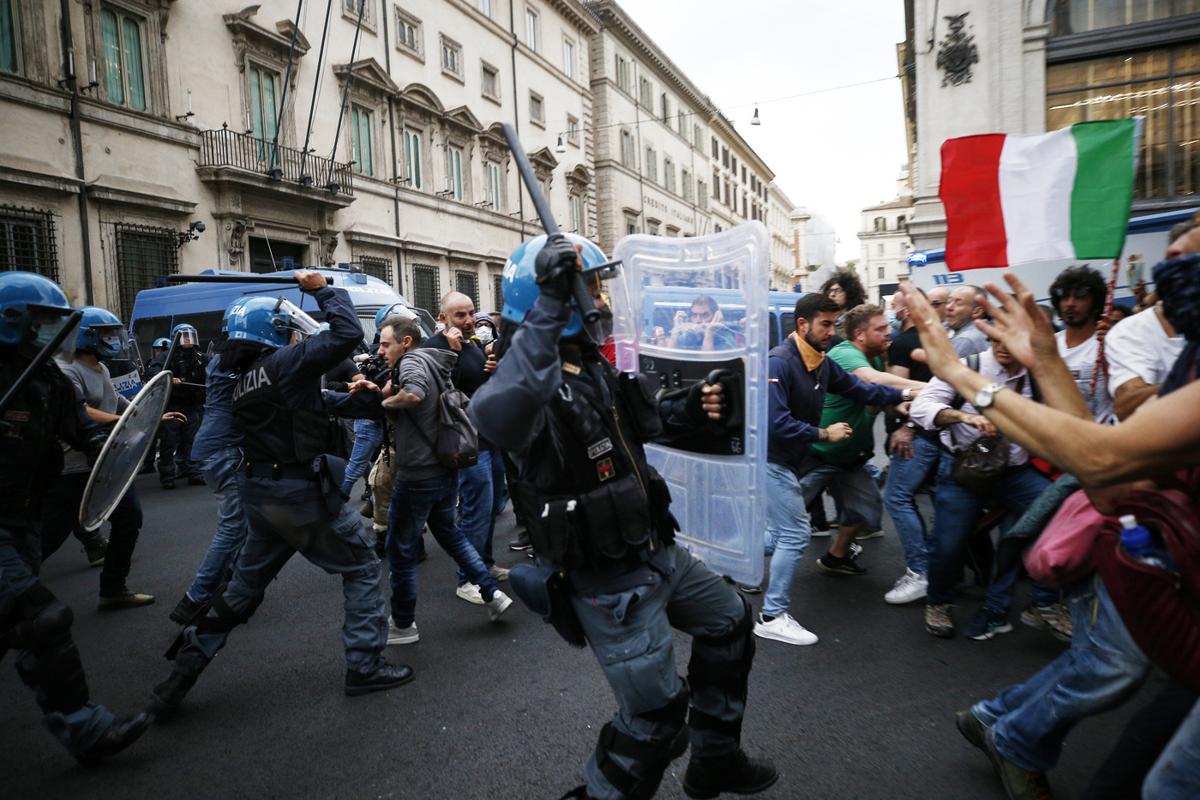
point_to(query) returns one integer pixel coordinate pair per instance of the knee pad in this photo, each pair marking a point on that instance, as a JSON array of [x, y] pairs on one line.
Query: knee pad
[[723, 662], [50, 663], [650, 759], [221, 618]]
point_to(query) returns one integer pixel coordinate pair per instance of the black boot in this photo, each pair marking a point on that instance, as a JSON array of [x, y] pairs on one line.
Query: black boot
[[734, 772], [169, 694], [185, 610], [122, 733], [388, 676]]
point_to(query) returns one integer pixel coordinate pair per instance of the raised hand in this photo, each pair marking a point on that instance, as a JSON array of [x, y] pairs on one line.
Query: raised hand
[[1018, 323], [939, 352]]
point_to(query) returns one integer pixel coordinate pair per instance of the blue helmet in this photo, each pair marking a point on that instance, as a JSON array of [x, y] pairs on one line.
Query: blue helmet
[[186, 335], [269, 321], [32, 310], [161, 343], [100, 332], [520, 279]]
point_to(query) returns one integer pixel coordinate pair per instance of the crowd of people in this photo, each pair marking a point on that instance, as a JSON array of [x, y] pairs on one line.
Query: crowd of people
[[995, 423]]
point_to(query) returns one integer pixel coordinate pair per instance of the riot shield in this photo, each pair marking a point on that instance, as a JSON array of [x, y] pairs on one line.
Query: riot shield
[[124, 452], [689, 309]]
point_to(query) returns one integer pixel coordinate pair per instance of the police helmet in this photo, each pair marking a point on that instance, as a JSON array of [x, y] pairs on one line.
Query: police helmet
[[520, 285], [394, 310], [268, 321], [161, 343], [101, 332], [186, 334], [33, 309]]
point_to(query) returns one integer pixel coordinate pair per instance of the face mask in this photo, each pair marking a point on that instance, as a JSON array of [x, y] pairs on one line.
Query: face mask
[[484, 334], [1178, 284]]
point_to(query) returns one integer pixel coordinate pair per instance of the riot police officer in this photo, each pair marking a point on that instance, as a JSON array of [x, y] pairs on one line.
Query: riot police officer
[[609, 572], [290, 487], [33, 621], [188, 368]]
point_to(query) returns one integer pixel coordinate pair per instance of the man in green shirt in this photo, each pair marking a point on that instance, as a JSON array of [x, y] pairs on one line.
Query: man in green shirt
[[841, 465]]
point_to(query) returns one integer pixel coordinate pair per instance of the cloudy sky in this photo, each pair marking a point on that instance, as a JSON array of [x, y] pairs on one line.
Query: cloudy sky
[[834, 152]]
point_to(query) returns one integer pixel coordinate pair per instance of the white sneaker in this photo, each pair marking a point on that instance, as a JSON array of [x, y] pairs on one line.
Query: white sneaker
[[784, 629], [499, 573], [470, 593], [407, 635], [498, 605], [910, 587]]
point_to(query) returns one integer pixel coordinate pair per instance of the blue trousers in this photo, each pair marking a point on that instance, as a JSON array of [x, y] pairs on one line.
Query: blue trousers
[[629, 630], [1099, 671], [1176, 774], [286, 517], [905, 476], [414, 503], [220, 472], [368, 435], [788, 534], [476, 502], [77, 729]]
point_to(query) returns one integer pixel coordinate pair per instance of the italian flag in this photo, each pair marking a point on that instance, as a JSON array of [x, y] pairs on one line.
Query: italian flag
[[1013, 199]]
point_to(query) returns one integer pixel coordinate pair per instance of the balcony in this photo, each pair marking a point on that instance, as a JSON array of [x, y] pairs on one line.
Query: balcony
[[227, 156]]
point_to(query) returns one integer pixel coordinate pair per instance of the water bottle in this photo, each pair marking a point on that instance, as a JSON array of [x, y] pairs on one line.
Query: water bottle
[[1139, 544]]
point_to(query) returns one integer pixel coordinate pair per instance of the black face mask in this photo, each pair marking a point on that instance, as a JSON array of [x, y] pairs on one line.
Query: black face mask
[[1177, 282]]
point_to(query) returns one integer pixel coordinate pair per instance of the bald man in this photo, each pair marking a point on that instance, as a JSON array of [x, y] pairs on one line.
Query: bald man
[[964, 307], [476, 487]]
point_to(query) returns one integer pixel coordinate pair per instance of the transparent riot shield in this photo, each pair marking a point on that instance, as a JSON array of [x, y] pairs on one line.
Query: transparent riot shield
[[692, 309]]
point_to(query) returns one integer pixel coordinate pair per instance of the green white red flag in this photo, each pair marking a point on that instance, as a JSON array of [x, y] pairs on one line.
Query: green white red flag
[[1013, 199]]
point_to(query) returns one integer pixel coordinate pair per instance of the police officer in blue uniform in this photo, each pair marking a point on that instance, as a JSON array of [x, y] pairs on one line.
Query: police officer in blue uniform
[[290, 487], [609, 572], [33, 622]]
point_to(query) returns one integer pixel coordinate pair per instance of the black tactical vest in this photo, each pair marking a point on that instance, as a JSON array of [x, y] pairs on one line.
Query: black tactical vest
[[272, 431], [31, 457], [589, 496]]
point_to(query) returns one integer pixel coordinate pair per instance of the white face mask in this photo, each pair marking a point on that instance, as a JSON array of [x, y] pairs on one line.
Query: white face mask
[[484, 334]]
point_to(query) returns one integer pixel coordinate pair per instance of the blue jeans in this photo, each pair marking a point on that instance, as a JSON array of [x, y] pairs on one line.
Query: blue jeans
[[1101, 669], [220, 471], [368, 435], [79, 729], [499, 485], [788, 535], [957, 510], [629, 631], [286, 517], [475, 512], [414, 503], [905, 477], [1176, 773]]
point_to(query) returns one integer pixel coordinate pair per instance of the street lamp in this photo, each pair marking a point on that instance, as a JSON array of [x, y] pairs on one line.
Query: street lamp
[[755, 120], [560, 148]]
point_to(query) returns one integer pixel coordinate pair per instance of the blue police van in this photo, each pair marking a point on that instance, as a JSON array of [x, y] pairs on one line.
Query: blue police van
[[157, 311], [661, 303]]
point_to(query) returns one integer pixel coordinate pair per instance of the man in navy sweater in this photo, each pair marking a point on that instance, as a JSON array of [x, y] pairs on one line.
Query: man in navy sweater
[[799, 376]]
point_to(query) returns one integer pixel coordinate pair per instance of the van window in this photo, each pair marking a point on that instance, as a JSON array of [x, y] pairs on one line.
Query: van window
[[147, 329]]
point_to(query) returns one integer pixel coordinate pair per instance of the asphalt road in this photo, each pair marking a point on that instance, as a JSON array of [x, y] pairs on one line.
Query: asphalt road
[[505, 710]]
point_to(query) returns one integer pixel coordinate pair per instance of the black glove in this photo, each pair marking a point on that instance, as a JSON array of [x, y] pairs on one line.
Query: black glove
[[556, 265]]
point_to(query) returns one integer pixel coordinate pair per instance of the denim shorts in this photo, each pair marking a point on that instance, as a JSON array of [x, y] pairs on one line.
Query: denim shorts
[[854, 490]]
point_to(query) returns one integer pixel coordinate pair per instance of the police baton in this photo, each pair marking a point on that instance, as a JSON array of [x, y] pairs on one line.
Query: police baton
[[41, 358], [579, 290]]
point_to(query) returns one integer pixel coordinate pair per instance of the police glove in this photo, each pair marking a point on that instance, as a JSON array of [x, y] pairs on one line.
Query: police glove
[[556, 265]]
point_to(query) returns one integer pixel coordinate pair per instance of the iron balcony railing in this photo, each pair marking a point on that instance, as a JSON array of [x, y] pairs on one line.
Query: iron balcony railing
[[230, 148]]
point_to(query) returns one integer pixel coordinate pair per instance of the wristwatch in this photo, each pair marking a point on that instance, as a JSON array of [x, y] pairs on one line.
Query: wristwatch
[[906, 393], [985, 396]]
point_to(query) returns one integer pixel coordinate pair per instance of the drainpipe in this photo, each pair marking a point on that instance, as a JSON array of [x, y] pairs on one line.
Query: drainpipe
[[387, 60], [512, 28], [68, 68]]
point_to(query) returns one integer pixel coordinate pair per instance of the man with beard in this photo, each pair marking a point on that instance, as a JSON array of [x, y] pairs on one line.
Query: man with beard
[[799, 376], [1078, 295]]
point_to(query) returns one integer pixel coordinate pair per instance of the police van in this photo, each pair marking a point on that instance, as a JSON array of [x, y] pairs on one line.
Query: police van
[[661, 304], [157, 311]]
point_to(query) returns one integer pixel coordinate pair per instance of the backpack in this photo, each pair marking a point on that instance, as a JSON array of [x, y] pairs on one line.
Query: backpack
[[457, 441]]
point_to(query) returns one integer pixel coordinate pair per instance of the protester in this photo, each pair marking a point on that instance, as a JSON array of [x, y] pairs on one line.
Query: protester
[[963, 308], [1078, 295], [1140, 352]]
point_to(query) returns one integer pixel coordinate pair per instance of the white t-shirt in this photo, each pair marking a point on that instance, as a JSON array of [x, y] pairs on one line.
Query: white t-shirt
[[1081, 360], [1138, 347]]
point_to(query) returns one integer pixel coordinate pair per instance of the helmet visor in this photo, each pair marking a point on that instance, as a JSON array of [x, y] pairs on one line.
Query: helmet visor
[[45, 322], [189, 338], [112, 341], [600, 328], [291, 318]]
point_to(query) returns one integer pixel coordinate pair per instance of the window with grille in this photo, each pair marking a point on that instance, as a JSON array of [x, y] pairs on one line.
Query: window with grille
[[144, 254], [498, 292], [468, 284], [27, 241], [377, 267], [425, 287]]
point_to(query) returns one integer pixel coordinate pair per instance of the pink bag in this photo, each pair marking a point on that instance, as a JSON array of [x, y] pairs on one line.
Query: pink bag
[[1062, 555]]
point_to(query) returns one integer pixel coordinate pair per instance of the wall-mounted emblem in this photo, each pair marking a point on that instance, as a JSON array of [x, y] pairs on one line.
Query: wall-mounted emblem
[[957, 52]]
